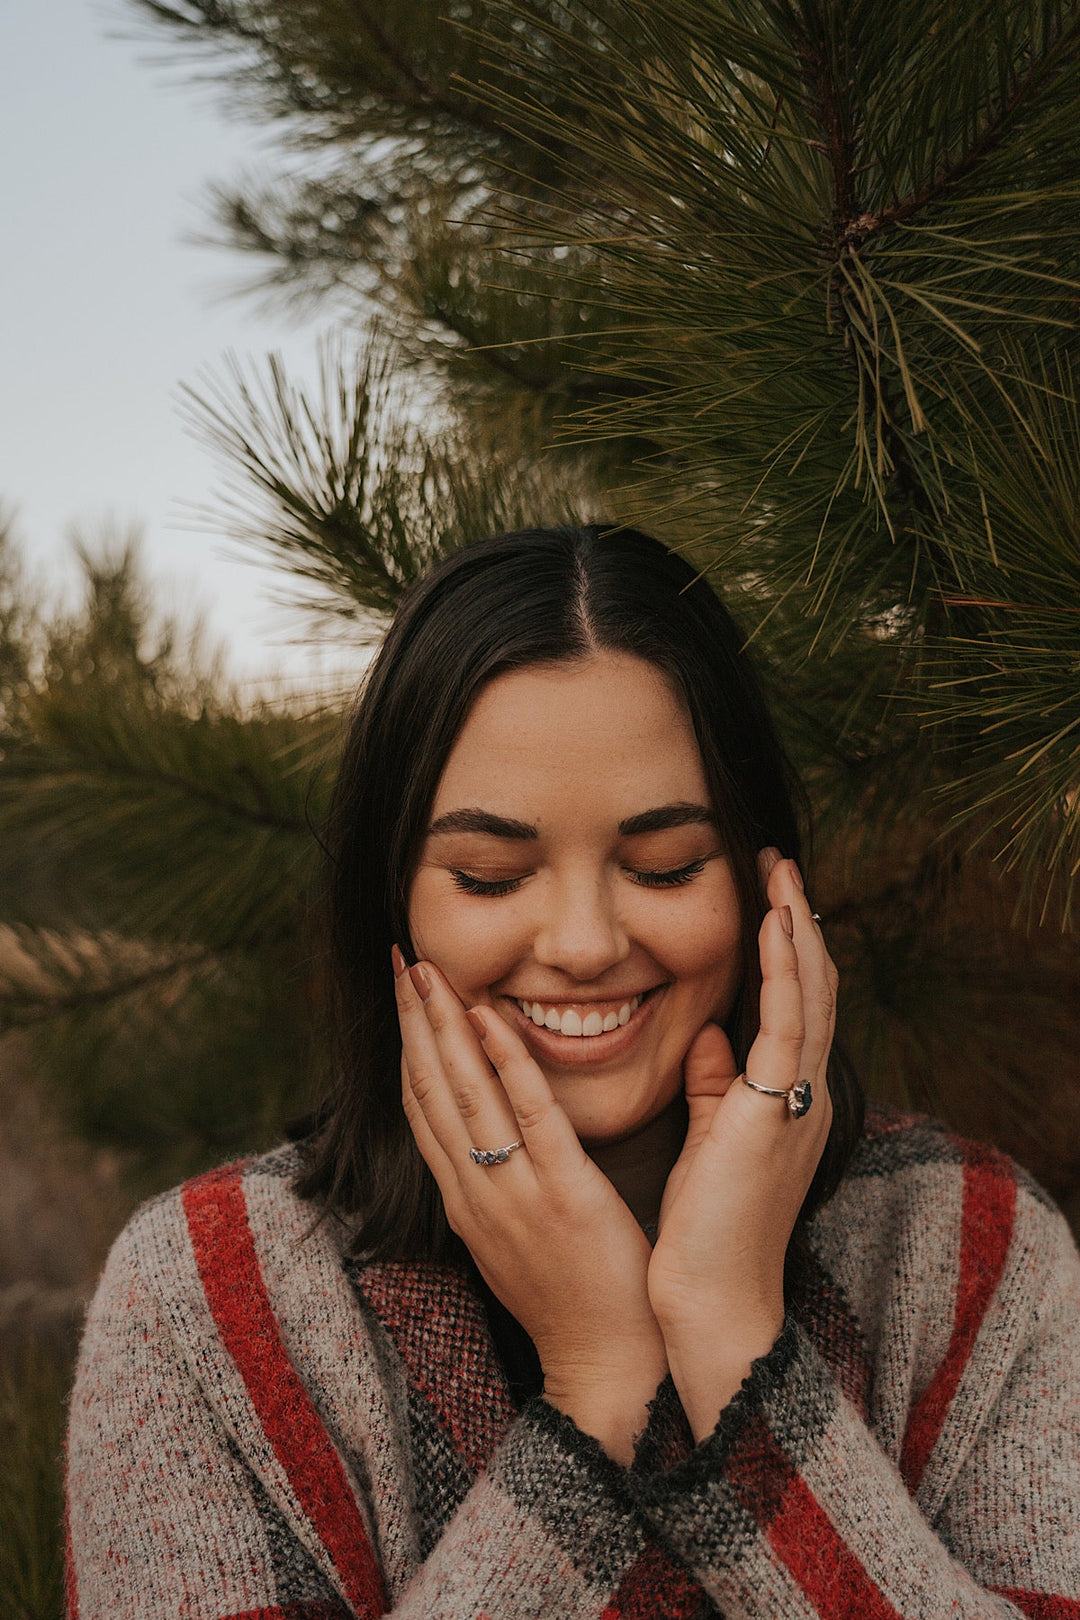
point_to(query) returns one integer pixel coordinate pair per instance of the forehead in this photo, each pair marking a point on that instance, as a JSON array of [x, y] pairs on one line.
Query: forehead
[[604, 734]]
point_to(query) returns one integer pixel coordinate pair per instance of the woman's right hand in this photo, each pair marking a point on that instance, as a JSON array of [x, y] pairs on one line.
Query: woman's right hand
[[549, 1233]]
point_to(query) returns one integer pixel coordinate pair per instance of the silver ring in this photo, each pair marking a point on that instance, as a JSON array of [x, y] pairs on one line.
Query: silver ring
[[799, 1098], [493, 1155], [815, 916]]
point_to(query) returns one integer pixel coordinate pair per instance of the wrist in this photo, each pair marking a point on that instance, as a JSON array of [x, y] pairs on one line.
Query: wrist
[[708, 1367], [610, 1402]]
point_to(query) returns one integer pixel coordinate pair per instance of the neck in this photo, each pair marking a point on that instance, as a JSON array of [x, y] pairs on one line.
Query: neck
[[638, 1166]]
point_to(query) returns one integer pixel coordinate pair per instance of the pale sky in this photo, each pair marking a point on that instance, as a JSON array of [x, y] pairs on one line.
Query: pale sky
[[105, 310]]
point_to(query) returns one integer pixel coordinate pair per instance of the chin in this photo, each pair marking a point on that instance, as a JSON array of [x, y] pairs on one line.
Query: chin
[[602, 1127]]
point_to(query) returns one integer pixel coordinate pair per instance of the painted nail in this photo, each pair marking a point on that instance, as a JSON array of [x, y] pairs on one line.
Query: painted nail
[[421, 979], [398, 961], [785, 918], [771, 855], [796, 875], [478, 1022]]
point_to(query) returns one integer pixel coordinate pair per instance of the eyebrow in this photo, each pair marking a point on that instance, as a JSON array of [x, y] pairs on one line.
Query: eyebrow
[[482, 821], [666, 816], [662, 819]]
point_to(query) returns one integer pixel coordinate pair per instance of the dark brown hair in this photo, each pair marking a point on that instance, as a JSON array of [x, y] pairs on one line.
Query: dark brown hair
[[539, 596]]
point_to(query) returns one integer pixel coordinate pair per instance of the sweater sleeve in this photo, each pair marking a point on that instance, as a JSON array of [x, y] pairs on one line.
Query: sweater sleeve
[[172, 1513], [791, 1508]]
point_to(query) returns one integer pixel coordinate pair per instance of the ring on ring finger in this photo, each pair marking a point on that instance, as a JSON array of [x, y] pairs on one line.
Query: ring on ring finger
[[799, 1097], [487, 1156]]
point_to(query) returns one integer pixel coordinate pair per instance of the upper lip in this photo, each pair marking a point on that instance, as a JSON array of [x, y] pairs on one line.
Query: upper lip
[[571, 1000]]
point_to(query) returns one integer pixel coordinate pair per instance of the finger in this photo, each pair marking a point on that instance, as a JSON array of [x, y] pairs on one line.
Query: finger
[[708, 1071], [427, 1079], [485, 1116], [431, 1150], [775, 1057], [709, 1066], [543, 1126], [817, 971]]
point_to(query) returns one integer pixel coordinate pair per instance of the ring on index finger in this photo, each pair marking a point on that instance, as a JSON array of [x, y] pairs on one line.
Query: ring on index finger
[[799, 1098]]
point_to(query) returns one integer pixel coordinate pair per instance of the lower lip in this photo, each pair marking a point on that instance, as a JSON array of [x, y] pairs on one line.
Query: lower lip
[[575, 1051]]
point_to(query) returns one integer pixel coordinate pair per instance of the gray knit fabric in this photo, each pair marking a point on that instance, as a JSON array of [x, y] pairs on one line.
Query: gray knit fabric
[[262, 1428]]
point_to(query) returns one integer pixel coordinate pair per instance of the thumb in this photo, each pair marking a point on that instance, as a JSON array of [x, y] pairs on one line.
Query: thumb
[[709, 1065]]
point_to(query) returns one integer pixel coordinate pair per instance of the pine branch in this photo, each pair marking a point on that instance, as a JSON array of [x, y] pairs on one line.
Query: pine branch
[[23, 1004], [45, 778], [1057, 59], [420, 92], [349, 494]]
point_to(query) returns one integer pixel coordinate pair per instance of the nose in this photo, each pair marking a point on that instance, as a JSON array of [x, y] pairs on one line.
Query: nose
[[580, 932]]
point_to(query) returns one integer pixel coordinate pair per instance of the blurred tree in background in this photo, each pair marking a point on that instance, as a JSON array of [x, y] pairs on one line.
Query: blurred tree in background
[[794, 285]]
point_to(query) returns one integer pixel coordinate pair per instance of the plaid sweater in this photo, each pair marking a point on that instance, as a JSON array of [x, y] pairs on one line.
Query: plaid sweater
[[262, 1429]]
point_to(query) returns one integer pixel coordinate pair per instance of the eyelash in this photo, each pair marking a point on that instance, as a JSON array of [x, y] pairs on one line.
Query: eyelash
[[672, 879]]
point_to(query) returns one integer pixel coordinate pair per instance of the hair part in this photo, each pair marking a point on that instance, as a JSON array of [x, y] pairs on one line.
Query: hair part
[[537, 596]]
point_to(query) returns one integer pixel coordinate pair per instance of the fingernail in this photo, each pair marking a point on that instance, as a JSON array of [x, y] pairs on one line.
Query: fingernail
[[478, 1022], [421, 979], [785, 918], [398, 961], [796, 875], [771, 855]]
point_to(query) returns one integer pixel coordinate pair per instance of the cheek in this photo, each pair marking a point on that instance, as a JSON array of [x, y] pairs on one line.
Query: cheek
[[471, 942], [701, 947]]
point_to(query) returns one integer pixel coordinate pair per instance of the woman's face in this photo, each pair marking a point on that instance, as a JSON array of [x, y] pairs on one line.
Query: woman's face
[[573, 878]]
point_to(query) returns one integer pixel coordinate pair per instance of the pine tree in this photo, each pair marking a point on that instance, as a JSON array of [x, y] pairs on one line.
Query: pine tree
[[793, 284]]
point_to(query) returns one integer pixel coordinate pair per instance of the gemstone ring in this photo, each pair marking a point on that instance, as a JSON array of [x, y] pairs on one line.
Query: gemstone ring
[[799, 1098]]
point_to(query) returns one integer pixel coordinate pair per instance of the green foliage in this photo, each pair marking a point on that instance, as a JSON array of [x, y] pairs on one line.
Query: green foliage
[[33, 1389], [352, 492], [158, 864], [17, 631]]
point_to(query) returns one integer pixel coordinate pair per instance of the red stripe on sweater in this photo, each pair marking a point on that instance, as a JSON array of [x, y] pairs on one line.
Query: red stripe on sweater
[[802, 1535], [770, 1489], [1040, 1605], [986, 1224], [224, 1249], [655, 1588]]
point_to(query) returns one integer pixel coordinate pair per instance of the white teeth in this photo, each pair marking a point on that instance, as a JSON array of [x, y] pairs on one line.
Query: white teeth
[[571, 1022]]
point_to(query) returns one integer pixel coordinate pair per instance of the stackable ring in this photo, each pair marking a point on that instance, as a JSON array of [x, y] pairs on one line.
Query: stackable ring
[[799, 1098], [493, 1155]]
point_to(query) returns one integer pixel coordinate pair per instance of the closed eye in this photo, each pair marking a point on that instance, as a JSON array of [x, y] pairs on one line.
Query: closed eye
[[670, 879], [490, 886]]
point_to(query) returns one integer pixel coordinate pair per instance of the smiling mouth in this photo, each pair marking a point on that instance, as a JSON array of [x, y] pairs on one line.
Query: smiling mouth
[[586, 1020]]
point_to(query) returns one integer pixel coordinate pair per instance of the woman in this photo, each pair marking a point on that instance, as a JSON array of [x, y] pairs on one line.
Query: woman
[[591, 1296]]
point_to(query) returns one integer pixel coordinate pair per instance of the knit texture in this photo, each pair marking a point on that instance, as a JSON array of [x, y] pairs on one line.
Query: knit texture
[[263, 1429]]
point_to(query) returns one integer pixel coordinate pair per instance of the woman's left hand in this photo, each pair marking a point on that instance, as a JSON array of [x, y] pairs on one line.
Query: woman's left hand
[[716, 1278]]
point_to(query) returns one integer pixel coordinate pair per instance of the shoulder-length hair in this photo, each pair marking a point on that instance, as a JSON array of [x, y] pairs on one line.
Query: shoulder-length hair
[[538, 596]]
